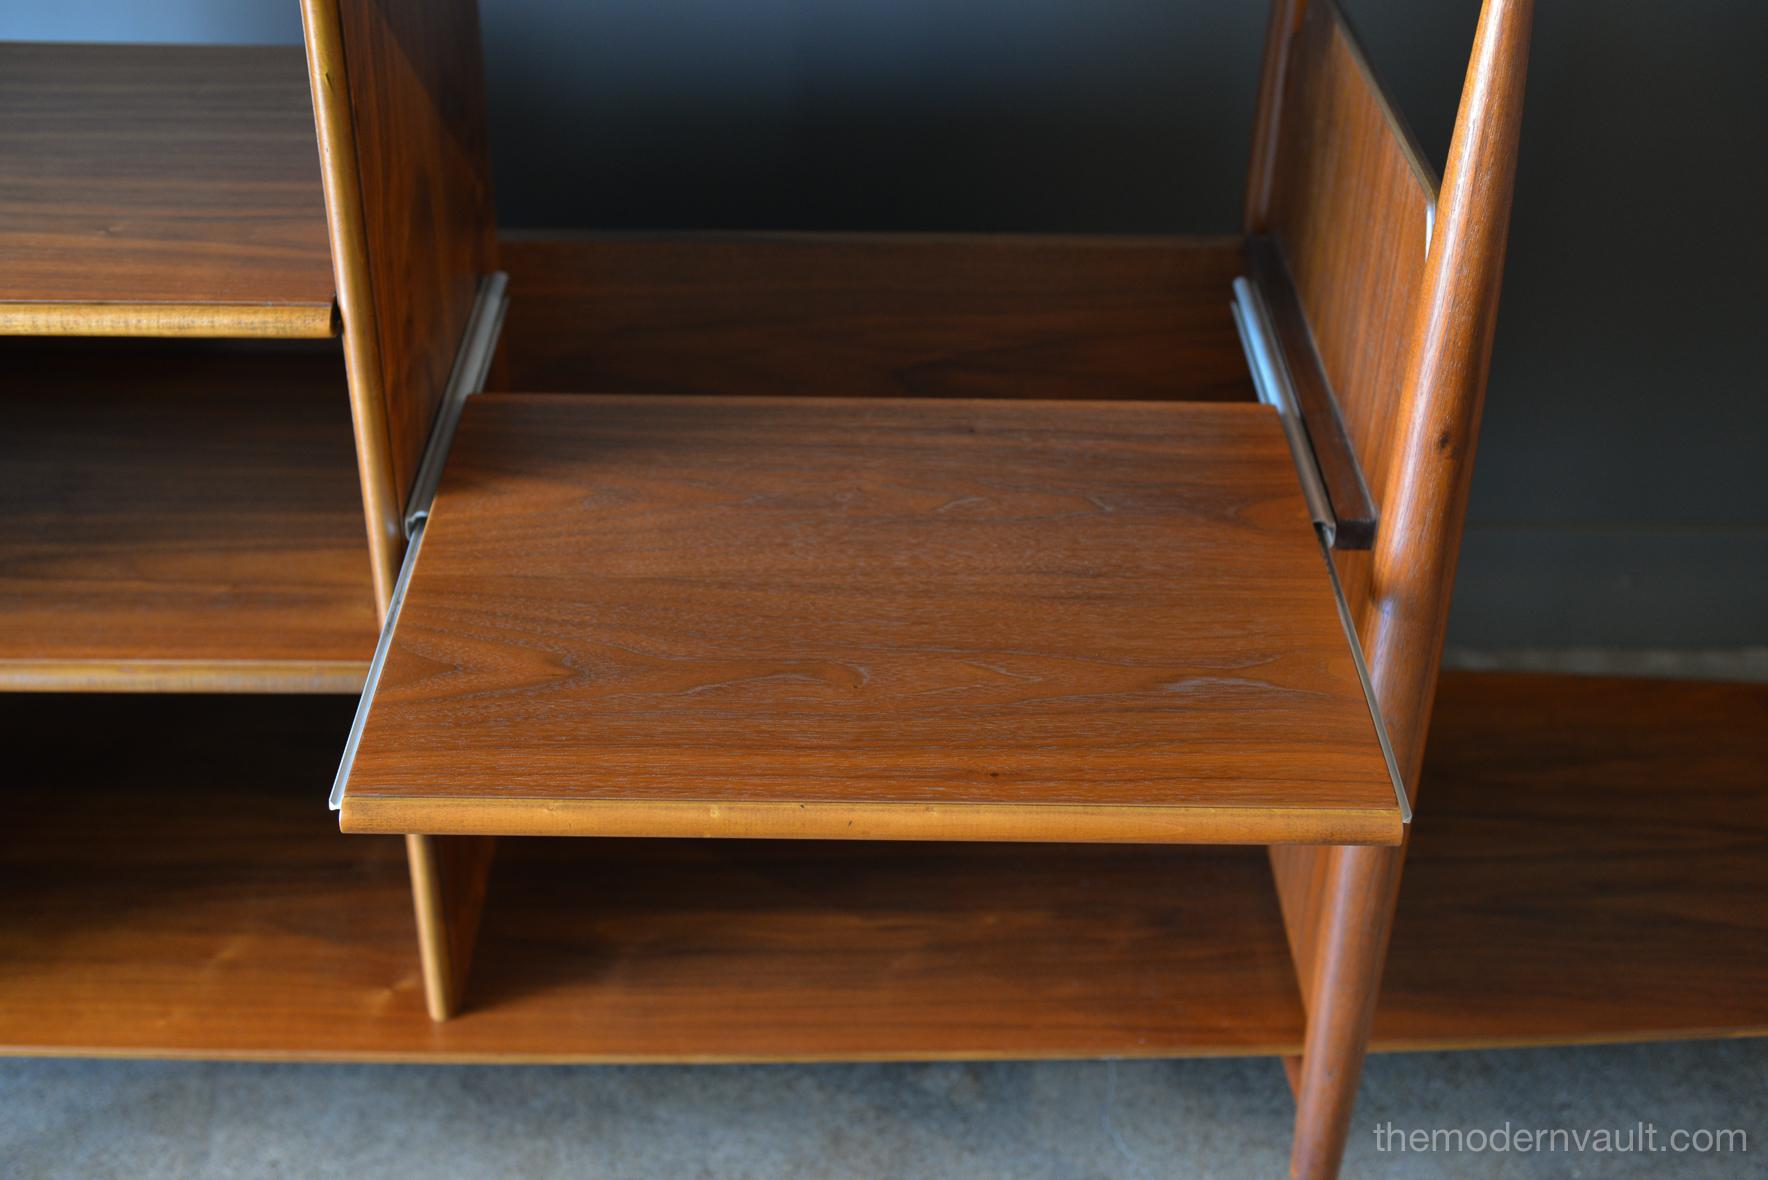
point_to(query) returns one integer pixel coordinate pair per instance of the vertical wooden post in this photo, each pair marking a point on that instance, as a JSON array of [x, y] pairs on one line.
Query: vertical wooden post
[[1448, 357], [1354, 919], [1413, 564]]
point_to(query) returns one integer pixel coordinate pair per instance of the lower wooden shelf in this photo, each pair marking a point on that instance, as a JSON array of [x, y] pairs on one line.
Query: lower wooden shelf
[[159, 901], [180, 515], [1589, 865]]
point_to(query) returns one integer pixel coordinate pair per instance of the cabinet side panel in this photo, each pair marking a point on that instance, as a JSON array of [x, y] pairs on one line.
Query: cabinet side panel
[[416, 95], [1351, 205], [399, 96]]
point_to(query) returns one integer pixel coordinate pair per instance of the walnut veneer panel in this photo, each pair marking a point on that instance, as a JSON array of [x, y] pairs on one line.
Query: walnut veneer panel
[[180, 516], [900, 315], [416, 101], [1591, 864], [160, 191], [929, 619], [1351, 203]]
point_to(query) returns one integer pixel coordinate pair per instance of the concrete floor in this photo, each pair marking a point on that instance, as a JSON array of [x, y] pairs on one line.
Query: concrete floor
[[1042, 1121]]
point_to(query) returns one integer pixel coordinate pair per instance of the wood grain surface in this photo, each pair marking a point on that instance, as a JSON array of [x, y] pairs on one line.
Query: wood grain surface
[[157, 902], [925, 619], [1591, 865], [1350, 207], [180, 516], [1594, 867], [1273, 79], [855, 315], [407, 79], [160, 190]]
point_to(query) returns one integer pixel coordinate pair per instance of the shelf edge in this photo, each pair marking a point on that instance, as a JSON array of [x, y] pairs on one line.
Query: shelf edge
[[344, 677], [216, 321], [689, 819]]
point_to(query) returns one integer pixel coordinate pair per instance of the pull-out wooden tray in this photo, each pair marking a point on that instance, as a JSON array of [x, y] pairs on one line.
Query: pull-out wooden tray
[[870, 618]]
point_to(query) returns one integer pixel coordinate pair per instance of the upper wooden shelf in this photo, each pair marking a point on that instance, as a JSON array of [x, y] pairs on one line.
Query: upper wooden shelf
[[889, 618], [180, 517], [160, 191]]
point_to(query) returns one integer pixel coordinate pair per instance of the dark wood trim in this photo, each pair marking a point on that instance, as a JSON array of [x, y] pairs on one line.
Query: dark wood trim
[[1352, 507]]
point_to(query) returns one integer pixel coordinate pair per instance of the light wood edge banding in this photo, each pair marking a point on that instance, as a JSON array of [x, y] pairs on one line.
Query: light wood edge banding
[[344, 677], [213, 321], [688, 819]]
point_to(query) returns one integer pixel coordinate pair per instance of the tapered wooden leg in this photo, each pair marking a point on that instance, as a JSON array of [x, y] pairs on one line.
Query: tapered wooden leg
[[1357, 891], [449, 875]]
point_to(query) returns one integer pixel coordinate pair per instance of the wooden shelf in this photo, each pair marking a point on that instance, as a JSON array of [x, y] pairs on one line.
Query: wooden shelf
[[160, 191], [180, 516], [891, 315], [158, 902], [1592, 865], [926, 619]]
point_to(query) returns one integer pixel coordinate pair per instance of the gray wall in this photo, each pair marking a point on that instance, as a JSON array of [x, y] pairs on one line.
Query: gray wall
[[1621, 497]]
